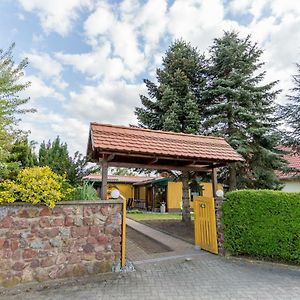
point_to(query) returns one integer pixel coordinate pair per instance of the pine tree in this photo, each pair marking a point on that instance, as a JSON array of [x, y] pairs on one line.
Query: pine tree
[[290, 113], [23, 152], [241, 109], [174, 104]]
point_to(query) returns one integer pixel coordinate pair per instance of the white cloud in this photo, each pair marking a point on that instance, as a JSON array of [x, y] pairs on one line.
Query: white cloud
[[106, 25], [39, 89], [47, 68], [97, 64], [48, 125], [44, 63], [109, 102], [56, 15]]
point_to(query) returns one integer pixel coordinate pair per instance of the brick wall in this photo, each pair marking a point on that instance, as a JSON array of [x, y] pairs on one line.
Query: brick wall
[[73, 239], [220, 235]]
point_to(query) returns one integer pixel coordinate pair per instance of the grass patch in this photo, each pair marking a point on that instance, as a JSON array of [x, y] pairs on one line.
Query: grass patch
[[141, 216]]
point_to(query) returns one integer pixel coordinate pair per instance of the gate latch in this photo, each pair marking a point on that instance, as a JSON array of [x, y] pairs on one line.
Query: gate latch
[[202, 205]]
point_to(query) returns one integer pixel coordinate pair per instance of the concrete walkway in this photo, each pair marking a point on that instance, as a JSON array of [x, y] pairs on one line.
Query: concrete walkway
[[173, 243]]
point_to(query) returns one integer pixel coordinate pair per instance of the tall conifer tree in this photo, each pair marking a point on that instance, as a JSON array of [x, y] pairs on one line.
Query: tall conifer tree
[[290, 113], [174, 103], [239, 107]]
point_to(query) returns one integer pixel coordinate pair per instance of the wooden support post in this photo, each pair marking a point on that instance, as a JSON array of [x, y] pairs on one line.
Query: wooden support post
[[123, 243], [104, 178], [214, 181], [186, 214]]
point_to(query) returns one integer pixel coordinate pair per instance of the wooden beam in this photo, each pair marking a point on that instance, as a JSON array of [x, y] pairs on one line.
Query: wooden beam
[[104, 165], [172, 158], [160, 167], [214, 181]]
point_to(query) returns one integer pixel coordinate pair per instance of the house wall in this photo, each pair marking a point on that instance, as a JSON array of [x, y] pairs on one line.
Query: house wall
[[73, 239], [291, 186], [126, 189], [142, 192], [174, 194]]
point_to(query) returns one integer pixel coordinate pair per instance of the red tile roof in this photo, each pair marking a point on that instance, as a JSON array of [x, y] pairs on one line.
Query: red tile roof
[[293, 161], [133, 140], [119, 178]]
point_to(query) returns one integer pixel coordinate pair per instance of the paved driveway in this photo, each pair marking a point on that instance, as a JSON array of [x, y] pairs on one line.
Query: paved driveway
[[205, 276]]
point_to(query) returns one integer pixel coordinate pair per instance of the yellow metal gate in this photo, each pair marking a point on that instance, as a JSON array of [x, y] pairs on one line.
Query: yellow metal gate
[[205, 224]]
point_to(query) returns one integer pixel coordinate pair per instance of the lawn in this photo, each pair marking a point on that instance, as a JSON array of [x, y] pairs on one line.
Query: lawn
[[142, 216]]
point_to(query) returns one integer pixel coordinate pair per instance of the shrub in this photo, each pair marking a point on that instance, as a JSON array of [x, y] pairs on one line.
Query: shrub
[[263, 223], [85, 192], [37, 185]]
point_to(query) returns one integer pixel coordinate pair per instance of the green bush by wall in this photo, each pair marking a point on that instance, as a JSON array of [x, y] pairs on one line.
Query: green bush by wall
[[36, 185], [262, 223]]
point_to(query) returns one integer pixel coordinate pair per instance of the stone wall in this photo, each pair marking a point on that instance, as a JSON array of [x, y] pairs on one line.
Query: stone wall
[[73, 239], [220, 234]]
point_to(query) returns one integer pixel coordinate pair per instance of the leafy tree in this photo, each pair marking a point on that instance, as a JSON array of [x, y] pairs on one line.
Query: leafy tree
[[174, 103], [11, 106], [23, 152], [290, 112], [239, 107], [56, 155], [123, 172]]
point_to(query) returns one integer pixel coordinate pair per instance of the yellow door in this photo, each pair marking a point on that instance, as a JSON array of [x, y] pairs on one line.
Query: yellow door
[[205, 224]]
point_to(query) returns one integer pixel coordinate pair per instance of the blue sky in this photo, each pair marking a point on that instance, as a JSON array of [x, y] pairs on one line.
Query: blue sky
[[88, 57]]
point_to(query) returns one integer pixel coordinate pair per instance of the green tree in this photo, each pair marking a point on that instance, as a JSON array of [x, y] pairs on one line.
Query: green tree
[[239, 107], [56, 155], [23, 152], [174, 103], [123, 172], [290, 113], [11, 107]]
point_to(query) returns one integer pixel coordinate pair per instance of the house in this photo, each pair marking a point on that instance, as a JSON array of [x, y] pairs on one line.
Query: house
[[291, 178], [122, 183], [150, 192]]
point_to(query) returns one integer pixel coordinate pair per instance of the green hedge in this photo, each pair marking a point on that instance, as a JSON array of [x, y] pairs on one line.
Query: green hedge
[[262, 223]]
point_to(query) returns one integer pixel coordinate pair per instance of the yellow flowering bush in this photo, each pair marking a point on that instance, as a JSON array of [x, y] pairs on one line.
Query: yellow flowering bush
[[36, 185]]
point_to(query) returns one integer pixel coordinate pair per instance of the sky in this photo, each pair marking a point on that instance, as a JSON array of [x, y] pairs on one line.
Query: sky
[[88, 58]]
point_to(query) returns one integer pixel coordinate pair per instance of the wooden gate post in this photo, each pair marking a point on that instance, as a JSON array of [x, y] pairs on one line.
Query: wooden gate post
[[214, 181], [104, 178]]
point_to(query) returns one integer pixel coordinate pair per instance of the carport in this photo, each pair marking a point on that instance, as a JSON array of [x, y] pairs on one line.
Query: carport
[[132, 147]]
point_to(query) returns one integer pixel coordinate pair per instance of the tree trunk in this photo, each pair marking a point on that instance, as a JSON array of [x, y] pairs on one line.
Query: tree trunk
[[186, 212], [232, 177]]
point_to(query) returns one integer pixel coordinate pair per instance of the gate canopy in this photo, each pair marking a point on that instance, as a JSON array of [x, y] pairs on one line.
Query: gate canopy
[[152, 149]]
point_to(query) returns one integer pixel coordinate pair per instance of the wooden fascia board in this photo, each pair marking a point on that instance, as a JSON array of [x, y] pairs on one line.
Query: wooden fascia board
[[160, 167]]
